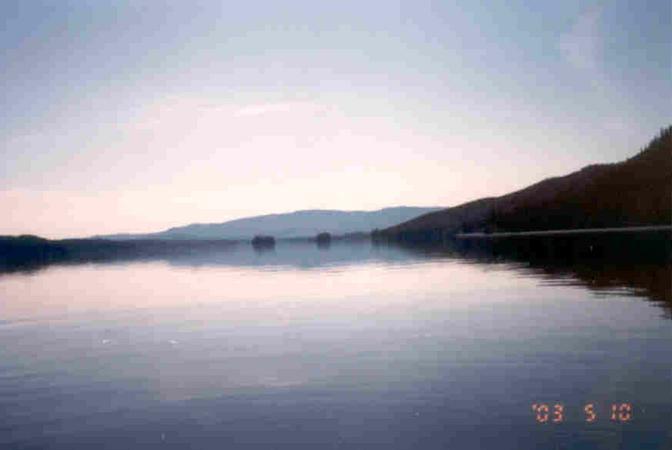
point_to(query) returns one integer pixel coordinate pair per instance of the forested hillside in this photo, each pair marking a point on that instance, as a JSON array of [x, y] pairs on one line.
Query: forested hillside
[[634, 192]]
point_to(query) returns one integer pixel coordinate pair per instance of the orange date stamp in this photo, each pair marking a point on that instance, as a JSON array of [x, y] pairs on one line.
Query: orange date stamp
[[556, 412]]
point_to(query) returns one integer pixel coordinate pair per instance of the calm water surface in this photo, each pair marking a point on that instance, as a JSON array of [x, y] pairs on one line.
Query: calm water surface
[[353, 347]]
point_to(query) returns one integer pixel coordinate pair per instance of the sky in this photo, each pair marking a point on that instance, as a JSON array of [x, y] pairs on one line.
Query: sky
[[136, 116]]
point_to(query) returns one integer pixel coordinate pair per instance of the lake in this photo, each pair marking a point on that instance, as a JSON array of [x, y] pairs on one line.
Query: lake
[[354, 346]]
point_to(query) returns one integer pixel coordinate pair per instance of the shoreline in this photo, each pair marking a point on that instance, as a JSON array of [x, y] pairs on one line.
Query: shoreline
[[565, 232]]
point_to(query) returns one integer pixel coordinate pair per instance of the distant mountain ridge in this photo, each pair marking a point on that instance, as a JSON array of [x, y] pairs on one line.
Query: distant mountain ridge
[[305, 223], [634, 192]]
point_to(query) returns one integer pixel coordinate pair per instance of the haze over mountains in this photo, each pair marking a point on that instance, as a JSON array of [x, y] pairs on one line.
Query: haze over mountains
[[634, 192], [296, 224]]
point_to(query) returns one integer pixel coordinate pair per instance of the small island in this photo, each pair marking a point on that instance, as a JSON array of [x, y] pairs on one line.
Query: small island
[[323, 239], [263, 242]]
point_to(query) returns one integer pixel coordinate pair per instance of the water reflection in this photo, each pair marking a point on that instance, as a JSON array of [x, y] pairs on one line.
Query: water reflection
[[639, 266], [351, 346], [323, 244]]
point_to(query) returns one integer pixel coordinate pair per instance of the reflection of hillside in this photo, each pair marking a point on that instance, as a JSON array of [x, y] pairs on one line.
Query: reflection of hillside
[[300, 254], [640, 264], [29, 253], [652, 281]]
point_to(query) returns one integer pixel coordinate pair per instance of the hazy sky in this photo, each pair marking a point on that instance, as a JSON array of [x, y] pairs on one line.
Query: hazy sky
[[141, 115]]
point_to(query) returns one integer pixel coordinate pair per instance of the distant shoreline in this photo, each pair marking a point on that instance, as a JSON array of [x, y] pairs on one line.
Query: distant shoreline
[[565, 232]]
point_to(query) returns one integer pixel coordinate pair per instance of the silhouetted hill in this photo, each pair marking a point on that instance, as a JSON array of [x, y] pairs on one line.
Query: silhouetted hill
[[634, 192], [297, 224]]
